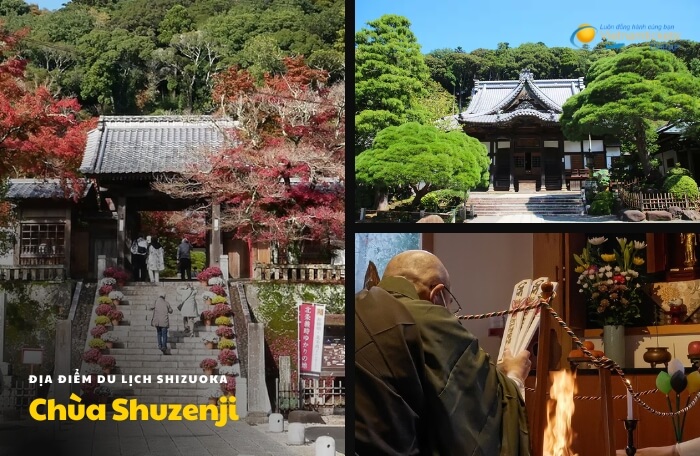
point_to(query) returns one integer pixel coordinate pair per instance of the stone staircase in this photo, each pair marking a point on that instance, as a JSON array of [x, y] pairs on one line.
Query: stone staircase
[[137, 352], [541, 203]]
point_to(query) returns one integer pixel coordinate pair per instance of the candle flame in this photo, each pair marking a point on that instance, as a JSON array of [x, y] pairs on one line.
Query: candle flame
[[560, 408]]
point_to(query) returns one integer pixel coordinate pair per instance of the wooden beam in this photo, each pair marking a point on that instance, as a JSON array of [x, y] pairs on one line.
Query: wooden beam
[[608, 434]]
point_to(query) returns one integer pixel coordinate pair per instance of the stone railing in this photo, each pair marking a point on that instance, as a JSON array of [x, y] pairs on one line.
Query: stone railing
[[28, 273], [322, 273]]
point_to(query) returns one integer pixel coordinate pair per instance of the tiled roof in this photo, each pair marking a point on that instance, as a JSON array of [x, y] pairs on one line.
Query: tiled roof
[[491, 98], [151, 144], [38, 188]]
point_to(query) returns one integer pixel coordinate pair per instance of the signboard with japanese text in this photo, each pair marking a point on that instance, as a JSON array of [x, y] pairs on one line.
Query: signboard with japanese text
[[311, 322]]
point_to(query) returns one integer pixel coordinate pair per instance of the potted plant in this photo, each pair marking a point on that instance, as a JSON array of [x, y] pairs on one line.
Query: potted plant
[[216, 281], [218, 289], [208, 365], [107, 363], [218, 299], [110, 339], [207, 296], [118, 273], [208, 273], [223, 344], [105, 290], [103, 394], [111, 281], [229, 388], [209, 340], [102, 320], [116, 316], [229, 371], [227, 357], [225, 332], [222, 310], [98, 331], [222, 321], [207, 317], [117, 297], [92, 369], [213, 394], [92, 355], [104, 309], [104, 300], [97, 343]]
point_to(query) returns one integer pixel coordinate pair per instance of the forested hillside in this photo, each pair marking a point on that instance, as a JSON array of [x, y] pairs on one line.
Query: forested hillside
[[160, 56]]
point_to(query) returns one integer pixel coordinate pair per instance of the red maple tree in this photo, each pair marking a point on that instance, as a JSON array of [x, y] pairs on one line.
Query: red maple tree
[[283, 180]]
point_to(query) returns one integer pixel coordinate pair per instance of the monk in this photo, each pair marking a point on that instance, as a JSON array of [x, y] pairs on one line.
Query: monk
[[422, 384]]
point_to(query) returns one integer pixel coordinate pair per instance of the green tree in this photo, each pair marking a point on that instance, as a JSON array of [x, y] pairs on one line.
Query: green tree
[[629, 96], [176, 21], [421, 158], [390, 73]]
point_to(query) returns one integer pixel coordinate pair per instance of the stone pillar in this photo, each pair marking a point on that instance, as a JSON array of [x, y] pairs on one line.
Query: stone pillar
[[215, 249], [2, 324], [62, 360], [511, 188], [223, 265], [285, 373], [492, 165], [242, 397], [121, 230], [259, 406], [101, 265]]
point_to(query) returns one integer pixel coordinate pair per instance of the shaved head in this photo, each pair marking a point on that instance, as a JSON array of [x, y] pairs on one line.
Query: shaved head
[[422, 268]]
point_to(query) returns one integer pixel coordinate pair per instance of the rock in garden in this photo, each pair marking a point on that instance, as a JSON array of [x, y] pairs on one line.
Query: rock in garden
[[675, 211], [632, 215], [690, 214], [305, 416], [659, 216]]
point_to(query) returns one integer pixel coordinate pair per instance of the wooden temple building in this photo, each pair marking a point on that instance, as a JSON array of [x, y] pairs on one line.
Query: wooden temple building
[[518, 122]]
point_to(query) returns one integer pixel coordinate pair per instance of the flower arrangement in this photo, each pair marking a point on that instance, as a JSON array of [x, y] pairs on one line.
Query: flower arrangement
[[118, 273], [98, 331], [208, 363], [103, 320], [92, 356], [222, 321], [230, 386], [210, 338], [223, 344], [110, 337], [91, 385], [208, 315], [610, 281], [116, 295], [676, 380], [104, 309], [107, 362], [208, 295], [103, 391], [218, 299], [105, 290], [116, 315], [221, 310], [111, 281], [208, 273], [225, 332], [218, 290], [228, 370], [227, 357], [104, 300], [92, 369], [97, 343], [212, 393], [217, 281]]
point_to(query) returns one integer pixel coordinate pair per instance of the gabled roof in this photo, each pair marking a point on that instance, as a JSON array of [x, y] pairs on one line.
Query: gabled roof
[[151, 144], [497, 102], [40, 189]]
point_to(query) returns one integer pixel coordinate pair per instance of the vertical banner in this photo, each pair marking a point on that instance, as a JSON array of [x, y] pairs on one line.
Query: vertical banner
[[311, 321]]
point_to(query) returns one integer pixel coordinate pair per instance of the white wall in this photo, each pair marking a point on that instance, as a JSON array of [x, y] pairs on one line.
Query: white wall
[[483, 269]]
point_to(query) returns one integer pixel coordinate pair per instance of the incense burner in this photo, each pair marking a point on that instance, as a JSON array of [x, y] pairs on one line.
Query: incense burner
[[657, 355]]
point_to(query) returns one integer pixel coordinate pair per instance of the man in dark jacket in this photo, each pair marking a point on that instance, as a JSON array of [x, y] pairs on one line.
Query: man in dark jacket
[[422, 384], [183, 259]]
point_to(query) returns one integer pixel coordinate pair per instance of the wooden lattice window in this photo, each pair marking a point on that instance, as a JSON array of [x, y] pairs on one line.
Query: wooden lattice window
[[42, 243]]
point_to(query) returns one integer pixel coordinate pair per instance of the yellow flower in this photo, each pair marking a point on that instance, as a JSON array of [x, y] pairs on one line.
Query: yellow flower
[[638, 261], [607, 257], [580, 269]]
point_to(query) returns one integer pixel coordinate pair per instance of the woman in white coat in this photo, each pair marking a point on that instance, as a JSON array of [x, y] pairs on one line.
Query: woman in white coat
[[155, 262]]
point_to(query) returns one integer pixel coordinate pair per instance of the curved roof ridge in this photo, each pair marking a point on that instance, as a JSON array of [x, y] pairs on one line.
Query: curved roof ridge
[[542, 97], [508, 99]]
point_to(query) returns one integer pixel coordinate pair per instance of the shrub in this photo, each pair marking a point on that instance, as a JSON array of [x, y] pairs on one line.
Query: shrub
[[602, 204], [217, 281], [116, 315], [218, 290], [227, 355], [105, 290], [103, 391], [97, 343], [222, 321], [681, 185], [218, 299], [225, 331], [678, 171], [108, 281], [207, 315], [208, 295], [227, 370], [104, 309], [442, 200], [230, 385], [103, 320], [119, 274], [104, 300], [221, 310], [223, 343], [92, 355], [110, 337], [602, 178], [118, 295], [208, 337], [208, 273], [98, 331], [107, 361], [208, 363]]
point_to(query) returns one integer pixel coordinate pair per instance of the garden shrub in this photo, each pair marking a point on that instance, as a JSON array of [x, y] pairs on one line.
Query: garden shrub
[[602, 178], [681, 185], [602, 204], [442, 200]]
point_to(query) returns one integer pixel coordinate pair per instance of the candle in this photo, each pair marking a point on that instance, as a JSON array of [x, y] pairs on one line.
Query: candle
[[630, 416]]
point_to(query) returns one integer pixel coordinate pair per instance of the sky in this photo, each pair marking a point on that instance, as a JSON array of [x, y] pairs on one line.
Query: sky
[[48, 4], [441, 24]]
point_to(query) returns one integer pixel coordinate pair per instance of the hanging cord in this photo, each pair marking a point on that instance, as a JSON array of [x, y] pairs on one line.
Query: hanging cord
[[602, 362]]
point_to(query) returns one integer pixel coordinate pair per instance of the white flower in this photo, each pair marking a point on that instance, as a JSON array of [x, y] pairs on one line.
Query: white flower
[[608, 274], [622, 240], [637, 286], [617, 268], [585, 285], [601, 274], [581, 291], [597, 240], [609, 282], [591, 276], [608, 268], [639, 245]]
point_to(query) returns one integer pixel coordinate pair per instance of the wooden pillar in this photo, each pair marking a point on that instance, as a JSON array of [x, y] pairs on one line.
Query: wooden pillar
[[562, 161], [543, 166], [511, 188], [67, 244], [215, 250], [492, 160], [121, 230]]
